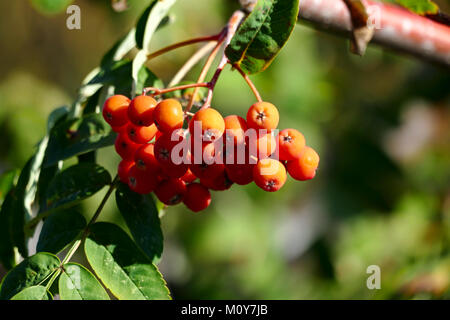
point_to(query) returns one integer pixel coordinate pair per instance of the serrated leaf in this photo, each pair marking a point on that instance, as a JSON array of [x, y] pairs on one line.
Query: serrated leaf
[[78, 283], [59, 230], [51, 6], [122, 267], [33, 293], [263, 34], [119, 49], [75, 184], [30, 272], [421, 7], [77, 136], [142, 218]]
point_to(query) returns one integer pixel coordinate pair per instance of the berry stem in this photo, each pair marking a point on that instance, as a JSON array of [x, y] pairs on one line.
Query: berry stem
[[183, 44], [85, 233], [193, 60], [207, 66], [157, 91], [232, 26], [249, 82]]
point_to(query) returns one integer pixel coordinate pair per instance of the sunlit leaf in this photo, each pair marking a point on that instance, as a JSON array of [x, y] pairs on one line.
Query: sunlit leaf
[[263, 34], [30, 272], [78, 283], [127, 272], [33, 293]]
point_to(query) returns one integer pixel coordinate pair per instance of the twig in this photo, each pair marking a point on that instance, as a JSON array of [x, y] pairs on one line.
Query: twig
[[249, 82], [193, 60], [157, 91], [182, 44], [397, 28]]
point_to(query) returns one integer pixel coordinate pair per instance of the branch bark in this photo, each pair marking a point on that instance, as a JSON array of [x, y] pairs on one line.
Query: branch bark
[[398, 28]]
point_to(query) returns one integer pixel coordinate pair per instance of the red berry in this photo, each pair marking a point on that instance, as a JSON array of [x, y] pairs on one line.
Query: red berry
[[219, 183], [197, 197], [269, 174], [115, 110], [171, 191], [145, 158], [189, 176], [241, 174], [123, 169], [125, 147], [304, 168], [141, 110], [140, 181]]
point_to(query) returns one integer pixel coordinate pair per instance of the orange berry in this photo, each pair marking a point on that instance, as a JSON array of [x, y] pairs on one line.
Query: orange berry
[[115, 110], [290, 144], [269, 174], [197, 197], [263, 145], [235, 128], [171, 191], [168, 115], [123, 169], [140, 134], [140, 181], [125, 147], [145, 158], [141, 110], [263, 115], [207, 124], [304, 167]]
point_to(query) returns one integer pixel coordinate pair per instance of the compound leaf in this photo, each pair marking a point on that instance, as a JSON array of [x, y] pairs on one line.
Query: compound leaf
[[123, 268]]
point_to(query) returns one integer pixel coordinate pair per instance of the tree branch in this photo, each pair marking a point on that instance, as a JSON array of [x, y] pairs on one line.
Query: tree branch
[[399, 29]]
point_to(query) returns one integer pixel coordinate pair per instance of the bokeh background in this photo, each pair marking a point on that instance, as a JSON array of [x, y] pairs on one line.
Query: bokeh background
[[381, 124]]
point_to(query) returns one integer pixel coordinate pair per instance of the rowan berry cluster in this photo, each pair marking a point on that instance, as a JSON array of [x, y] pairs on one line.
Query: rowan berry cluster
[[211, 153]]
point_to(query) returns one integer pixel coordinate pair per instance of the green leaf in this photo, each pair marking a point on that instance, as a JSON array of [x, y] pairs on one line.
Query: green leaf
[[77, 136], [141, 216], [127, 272], [6, 234], [146, 27], [78, 283], [263, 34], [154, 17], [33, 293], [51, 6], [7, 183], [421, 7], [119, 50], [18, 210], [59, 230], [75, 184], [30, 272]]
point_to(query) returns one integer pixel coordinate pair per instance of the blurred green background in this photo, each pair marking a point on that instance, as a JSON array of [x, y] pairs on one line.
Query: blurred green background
[[381, 124]]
